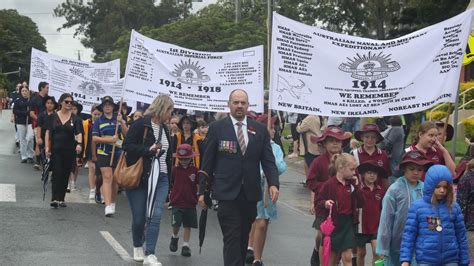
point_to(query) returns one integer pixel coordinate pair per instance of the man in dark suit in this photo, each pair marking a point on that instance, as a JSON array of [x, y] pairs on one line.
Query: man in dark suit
[[235, 149]]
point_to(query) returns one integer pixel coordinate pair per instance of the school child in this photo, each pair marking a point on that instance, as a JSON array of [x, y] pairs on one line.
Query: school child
[[89, 153], [435, 229], [331, 141], [183, 198], [265, 215], [201, 129], [395, 204], [370, 136], [341, 193], [465, 195], [369, 212]]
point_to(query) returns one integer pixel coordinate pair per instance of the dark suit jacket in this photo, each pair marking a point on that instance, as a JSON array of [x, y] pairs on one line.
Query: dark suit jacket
[[229, 168]]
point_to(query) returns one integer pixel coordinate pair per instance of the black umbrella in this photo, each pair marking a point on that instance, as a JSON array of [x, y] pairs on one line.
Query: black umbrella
[[45, 175], [203, 217]]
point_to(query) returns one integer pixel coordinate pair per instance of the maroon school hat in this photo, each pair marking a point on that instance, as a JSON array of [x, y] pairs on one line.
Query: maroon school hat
[[334, 132], [415, 157], [184, 151], [264, 119], [372, 166], [369, 127]]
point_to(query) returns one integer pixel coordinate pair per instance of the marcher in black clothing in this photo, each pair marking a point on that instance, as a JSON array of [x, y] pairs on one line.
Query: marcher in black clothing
[[23, 124], [63, 141], [36, 107], [51, 106]]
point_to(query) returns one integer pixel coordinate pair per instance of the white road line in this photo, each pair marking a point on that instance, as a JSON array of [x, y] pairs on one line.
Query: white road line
[[7, 192], [116, 246]]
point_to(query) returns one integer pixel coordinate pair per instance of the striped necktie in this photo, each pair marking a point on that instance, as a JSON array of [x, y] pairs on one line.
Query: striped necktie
[[240, 137]]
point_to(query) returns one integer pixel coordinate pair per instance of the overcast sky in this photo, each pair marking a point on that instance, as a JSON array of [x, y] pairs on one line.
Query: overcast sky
[[60, 43]]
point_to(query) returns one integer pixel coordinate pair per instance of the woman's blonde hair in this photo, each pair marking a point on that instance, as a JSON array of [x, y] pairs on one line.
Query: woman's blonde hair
[[160, 106], [449, 197], [339, 161]]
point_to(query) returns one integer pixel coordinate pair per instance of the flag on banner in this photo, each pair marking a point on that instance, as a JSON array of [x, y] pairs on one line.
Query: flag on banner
[[314, 71], [195, 80], [469, 56]]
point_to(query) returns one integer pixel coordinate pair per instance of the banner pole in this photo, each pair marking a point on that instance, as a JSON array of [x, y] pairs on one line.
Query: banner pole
[[116, 131], [269, 111], [455, 122]]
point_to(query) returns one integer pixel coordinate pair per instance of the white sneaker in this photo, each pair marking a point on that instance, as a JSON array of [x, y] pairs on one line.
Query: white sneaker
[[151, 260], [92, 194], [73, 186], [138, 254], [109, 211], [113, 207]]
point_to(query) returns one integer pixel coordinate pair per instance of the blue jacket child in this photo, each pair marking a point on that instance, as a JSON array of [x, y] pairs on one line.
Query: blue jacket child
[[435, 232]]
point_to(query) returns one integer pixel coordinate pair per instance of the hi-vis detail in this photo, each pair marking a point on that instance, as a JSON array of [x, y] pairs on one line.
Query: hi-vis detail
[[370, 67]]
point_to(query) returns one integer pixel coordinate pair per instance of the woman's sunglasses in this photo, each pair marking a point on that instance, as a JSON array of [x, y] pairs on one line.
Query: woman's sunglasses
[[67, 102]]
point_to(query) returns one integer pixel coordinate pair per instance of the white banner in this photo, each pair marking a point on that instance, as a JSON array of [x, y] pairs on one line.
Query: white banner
[[194, 80], [88, 93], [86, 81], [314, 71]]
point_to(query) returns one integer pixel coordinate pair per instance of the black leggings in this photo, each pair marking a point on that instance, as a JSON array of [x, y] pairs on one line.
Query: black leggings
[[62, 160]]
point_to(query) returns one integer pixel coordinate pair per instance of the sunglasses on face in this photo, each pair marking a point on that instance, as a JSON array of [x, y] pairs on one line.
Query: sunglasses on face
[[67, 102]]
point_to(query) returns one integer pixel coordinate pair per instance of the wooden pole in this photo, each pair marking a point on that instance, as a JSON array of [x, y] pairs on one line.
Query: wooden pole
[[269, 111], [116, 131]]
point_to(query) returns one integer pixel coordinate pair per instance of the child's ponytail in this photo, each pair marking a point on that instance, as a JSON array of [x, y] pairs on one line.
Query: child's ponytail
[[339, 161]]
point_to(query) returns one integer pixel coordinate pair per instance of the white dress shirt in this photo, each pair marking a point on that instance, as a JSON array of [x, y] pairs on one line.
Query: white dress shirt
[[244, 128]]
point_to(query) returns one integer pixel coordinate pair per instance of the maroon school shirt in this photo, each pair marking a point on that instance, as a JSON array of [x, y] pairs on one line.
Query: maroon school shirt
[[369, 214], [344, 198], [184, 192], [318, 172], [379, 156], [330, 191]]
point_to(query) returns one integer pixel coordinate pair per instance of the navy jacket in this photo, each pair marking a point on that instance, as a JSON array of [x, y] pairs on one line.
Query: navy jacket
[[431, 246], [20, 110], [136, 148], [229, 169]]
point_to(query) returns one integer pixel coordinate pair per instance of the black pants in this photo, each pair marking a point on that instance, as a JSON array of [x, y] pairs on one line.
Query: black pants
[[63, 161], [236, 218]]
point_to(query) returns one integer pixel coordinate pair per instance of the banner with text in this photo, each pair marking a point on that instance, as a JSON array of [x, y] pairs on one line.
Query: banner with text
[[314, 71], [194, 80], [88, 93], [86, 81]]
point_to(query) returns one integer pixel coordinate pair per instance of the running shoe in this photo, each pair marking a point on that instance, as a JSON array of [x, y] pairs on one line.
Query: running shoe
[[174, 244], [185, 251], [109, 212], [54, 204], [138, 254], [151, 260], [92, 194]]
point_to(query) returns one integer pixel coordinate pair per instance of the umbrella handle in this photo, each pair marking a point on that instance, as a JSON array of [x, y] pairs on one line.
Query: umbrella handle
[[330, 211]]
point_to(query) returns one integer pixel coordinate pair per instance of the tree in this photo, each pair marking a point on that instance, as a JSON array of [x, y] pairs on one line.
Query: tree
[[422, 13], [101, 22], [17, 35]]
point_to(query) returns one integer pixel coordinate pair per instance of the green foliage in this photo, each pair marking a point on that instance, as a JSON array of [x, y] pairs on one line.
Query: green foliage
[[422, 13], [101, 22], [469, 127], [17, 35]]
